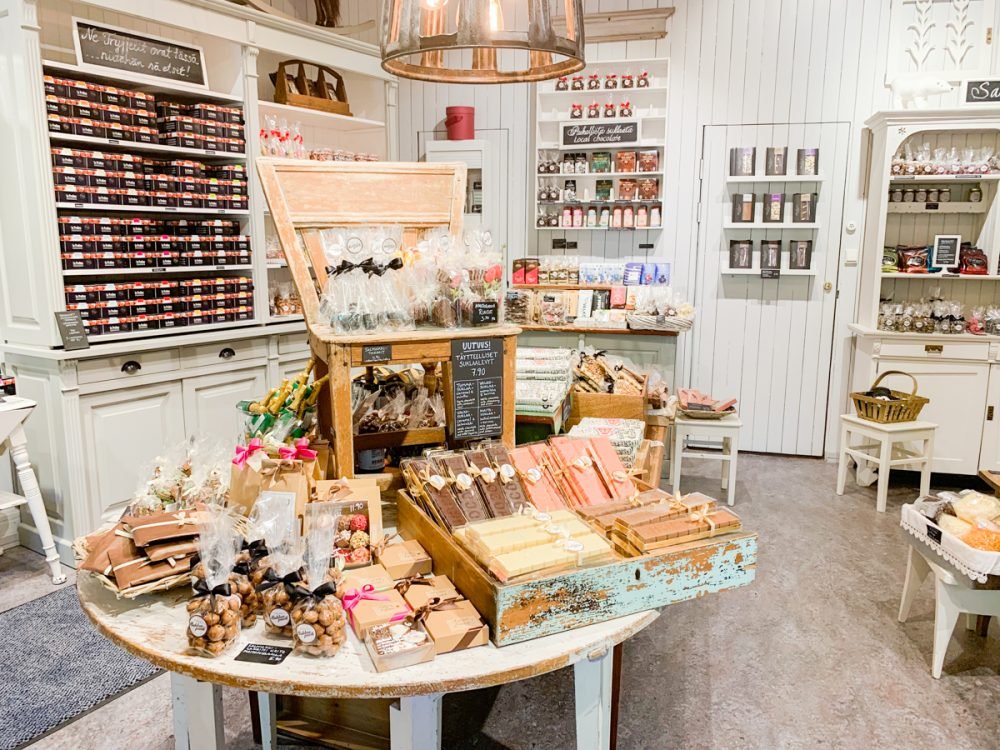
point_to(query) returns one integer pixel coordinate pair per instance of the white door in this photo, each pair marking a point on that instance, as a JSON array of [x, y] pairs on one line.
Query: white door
[[210, 403], [768, 341], [123, 432], [989, 455], [957, 393], [289, 369]]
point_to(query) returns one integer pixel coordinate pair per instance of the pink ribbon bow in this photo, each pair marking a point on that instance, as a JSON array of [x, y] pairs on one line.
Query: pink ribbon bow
[[353, 597], [300, 450], [244, 452]]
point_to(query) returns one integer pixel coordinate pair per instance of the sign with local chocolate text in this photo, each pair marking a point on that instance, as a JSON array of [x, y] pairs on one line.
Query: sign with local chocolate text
[[477, 387], [595, 134], [376, 353], [945, 250], [142, 55], [982, 92], [71, 330]]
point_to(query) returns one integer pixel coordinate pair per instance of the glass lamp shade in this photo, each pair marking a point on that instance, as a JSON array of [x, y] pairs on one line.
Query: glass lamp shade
[[474, 41]]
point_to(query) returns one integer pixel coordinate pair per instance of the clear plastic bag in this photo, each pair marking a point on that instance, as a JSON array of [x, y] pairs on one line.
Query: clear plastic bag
[[318, 622], [214, 612]]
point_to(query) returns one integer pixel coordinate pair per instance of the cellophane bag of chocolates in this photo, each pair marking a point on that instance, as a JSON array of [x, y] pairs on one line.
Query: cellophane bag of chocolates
[[214, 612], [317, 615], [248, 562], [275, 521]]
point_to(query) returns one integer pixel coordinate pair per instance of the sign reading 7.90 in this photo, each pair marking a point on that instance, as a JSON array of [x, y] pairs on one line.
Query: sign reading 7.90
[[477, 388]]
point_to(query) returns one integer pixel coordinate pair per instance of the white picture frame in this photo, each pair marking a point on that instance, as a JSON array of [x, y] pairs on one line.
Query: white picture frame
[[944, 243]]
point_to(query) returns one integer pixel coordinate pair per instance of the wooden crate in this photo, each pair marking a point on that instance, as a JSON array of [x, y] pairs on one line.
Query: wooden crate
[[547, 604], [606, 406]]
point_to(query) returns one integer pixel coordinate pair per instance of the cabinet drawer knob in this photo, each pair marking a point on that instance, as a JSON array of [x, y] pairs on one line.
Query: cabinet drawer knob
[[933, 348], [131, 367], [227, 353]]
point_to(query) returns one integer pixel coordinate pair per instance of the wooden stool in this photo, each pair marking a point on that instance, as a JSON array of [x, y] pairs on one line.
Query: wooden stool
[[885, 437], [13, 413], [953, 595], [726, 430]]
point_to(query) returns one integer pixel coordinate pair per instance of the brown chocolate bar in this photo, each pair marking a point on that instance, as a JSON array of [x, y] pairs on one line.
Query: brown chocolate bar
[[677, 530], [512, 488], [454, 467], [442, 501], [490, 485]]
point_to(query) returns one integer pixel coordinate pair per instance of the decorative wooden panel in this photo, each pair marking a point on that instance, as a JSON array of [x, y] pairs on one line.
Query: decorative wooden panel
[[940, 38]]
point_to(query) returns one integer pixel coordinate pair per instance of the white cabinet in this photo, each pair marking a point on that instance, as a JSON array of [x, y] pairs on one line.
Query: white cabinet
[[210, 402], [958, 395], [122, 432], [989, 455]]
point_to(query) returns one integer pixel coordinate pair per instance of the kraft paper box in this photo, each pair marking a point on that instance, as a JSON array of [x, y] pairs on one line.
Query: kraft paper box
[[375, 575], [418, 593], [405, 560], [378, 610], [246, 483], [456, 626]]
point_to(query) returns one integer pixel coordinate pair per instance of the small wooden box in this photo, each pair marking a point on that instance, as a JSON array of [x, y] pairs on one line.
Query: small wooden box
[[545, 604], [606, 405]]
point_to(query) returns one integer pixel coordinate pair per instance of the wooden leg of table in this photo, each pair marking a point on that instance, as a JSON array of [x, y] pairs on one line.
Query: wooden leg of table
[[415, 723], [592, 679], [982, 625], [267, 710], [36, 506], [339, 394], [616, 693], [197, 705]]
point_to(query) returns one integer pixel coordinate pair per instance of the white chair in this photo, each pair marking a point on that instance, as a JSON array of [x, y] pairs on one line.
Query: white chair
[[882, 451], [725, 430], [13, 413], [953, 595]]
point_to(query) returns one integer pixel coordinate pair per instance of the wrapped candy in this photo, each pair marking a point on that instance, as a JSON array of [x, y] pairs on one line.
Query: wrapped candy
[[274, 518], [317, 614], [214, 612]]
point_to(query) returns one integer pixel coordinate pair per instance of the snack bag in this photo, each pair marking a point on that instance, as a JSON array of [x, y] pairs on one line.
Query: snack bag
[[214, 612], [317, 614]]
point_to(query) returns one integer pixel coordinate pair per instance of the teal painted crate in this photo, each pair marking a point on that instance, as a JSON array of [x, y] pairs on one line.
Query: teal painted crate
[[548, 604]]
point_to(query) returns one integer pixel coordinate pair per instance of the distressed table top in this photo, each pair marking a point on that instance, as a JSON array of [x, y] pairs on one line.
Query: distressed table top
[[153, 628]]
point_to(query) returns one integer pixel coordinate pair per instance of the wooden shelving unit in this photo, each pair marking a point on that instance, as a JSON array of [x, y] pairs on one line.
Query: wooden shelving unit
[[528, 328]]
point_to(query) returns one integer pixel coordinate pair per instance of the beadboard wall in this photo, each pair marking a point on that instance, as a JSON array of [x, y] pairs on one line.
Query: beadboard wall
[[733, 62]]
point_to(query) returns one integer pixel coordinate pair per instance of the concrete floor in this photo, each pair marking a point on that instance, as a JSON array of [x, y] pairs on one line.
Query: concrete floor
[[808, 656]]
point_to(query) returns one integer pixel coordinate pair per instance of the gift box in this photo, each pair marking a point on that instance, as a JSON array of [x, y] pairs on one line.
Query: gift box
[[454, 626], [375, 576], [397, 645], [405, 560], [161, 527], [418, 591], [366, 608]]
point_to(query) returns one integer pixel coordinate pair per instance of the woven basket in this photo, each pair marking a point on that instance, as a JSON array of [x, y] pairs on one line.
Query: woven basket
[[905, 409], [704, 414], [658, 323]]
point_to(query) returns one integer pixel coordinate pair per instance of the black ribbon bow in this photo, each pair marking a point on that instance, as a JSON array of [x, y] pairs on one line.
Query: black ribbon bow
[[300, 592], [273, 579], [201, 588]]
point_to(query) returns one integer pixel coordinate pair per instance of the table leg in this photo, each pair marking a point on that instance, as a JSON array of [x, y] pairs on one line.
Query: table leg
[[885, 454], [616, 693], [845, 435], [726, 451], [917, 571], [925, 469], [29, 488], [675, 461], [592, 679], [734, 452], [267, 711], [415, 723], [198, 723]]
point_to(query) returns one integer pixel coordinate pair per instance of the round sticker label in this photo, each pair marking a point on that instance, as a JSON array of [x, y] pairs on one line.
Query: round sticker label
[[197, 626], [305, 632], [279, 618], [507, 471], [464, 481], [488, 474]]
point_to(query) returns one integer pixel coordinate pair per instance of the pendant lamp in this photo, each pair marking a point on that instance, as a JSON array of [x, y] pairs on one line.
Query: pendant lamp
[[474, 41]]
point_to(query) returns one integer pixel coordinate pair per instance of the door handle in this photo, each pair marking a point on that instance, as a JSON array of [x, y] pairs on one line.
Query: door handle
[[227, 353], [989, 414]]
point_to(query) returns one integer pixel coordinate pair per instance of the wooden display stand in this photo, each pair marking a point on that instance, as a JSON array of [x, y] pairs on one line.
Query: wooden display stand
[[306, 197]]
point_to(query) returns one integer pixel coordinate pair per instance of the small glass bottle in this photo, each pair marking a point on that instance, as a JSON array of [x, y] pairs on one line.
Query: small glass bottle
[[592, 216], [605, 218], [577, 216], [567, 216]]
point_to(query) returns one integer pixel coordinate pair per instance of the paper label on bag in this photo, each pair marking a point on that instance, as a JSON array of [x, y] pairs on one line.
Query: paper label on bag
[[534, 475], [197, 626], [488, 474], [305, 632], [279, 618]]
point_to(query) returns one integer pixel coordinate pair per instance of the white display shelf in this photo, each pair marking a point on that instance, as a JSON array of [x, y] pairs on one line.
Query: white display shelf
[[937, 277], [285, 318], [948, 207], [605, 146], [277, 264], [918, 337], [143, 148], [595, 175], [600, 204], [756, 272], [944, 178], [760, 225], [177, 89], [562, 119], [150, 209], [631, 93], [319, 119], [174, 271], [760, 178], [110, 337], [600, 229]]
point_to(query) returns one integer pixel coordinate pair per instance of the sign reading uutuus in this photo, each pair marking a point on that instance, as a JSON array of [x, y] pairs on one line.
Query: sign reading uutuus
[[151, 57], [599, 133], [477, 387]]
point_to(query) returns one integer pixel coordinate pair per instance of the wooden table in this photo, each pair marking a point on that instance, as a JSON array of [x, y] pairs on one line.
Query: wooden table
[[153, 628]]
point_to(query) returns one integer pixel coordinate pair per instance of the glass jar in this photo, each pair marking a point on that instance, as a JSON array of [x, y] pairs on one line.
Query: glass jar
[[921, 195], [976, 195], [908, 195], [896, 195], [945, 195], [933, 194]]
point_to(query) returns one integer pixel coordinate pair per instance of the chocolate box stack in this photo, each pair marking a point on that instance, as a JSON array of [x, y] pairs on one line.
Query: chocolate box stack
[[96, 110], [210, 127]]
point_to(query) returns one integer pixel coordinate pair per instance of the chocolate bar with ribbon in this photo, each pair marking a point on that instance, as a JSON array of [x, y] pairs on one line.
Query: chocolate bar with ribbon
[[489, 483]]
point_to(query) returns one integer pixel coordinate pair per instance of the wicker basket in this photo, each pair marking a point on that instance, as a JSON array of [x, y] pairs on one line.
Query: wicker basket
[[704, 413], [905, 409]]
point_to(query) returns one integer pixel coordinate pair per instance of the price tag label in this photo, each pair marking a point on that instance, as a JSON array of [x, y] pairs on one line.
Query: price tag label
[[376, 353], [263, 653]]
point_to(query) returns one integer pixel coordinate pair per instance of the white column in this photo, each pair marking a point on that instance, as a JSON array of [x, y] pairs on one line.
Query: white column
[[415, 723], [593, 701], [198, 723]]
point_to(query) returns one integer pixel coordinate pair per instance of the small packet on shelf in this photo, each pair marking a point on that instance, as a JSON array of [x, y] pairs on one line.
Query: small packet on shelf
[[274, 517], [404, 560], [418, 591], [399, 644], [452, 625], [214, 612], [317, 614]]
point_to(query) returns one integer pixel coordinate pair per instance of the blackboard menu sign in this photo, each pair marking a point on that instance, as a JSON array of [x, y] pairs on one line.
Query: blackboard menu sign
[[770, 273], [982, 92], [376, 353], [945, 251], [263, 653], [71, 330], [151, 57], [598, 133], [477, 388]]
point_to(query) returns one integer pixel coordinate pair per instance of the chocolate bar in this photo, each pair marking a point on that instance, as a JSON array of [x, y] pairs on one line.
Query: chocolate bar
[[507, 474], [441, 502], [667, 533], [490, 485], [462, 485]]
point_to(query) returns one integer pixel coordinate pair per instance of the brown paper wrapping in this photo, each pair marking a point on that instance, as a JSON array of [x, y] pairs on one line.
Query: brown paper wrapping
[[370, 612], [405, 560], [456, 626]]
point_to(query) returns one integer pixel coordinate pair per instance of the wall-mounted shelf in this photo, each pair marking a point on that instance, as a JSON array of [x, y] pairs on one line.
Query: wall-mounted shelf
[[601, 204], [595, 175], [785, 272], [632, 93], [108, 337], [729, 225], [562, 119], [581, 329], [944, 177], [635, 145], [150, 209], [143, 148], [177, 270], [938, 277], [760, 178], [600, 229], [319, 119], [565, 287], [948, 207], [164, 87]]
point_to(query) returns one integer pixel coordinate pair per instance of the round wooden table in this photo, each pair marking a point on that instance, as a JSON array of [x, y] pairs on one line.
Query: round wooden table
[[153, 628]]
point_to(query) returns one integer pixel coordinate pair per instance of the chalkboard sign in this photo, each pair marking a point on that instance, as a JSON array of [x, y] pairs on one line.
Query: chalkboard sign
[[945, 251], [770, 273], [982, 92], [71, 330], [376, 353], [599, 133], [485, 313], [145, 56], [263, 653], [477, 388], [934, 533]]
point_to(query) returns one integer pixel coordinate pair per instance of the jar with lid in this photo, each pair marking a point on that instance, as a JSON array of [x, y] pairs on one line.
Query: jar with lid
[[933, 195], [605, 218], [908, 195], [577, 216], [921, 195], [976, 194], [592, 216], [567, 216], [896, 195]]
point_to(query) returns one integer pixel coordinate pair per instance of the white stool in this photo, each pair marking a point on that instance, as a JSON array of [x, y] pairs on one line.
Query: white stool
[[953, 595], [885, 436], [13, 413], [726, 430]]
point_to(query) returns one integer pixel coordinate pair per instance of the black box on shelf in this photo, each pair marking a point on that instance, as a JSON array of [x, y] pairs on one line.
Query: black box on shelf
[[169, 288], [235, 145], [101, 178], [215, 202], [70, 176], [222, 316], [76, 243], [67, 157], [117, 132], [83, 91], [111, 113], [142, 119], [111, 260], [171, 259], [89, 128], [132, 181], [189, 200], [169, 109], [141, 322], [162, 199], [145, 307], [213, 129], [113, 292], [59, 124], [135, 198], [71, 194], [107, 243], [171, 320], [236, 187], [144, 135], [173, 305], [177, 124], [142, 259], [243, 313], [141, 100], [240, 284], [179, 141], [117, 325], [128, 163], [78, 261], [189, 184], [55, 105], [105, 197], [114, 96], [78, 294], [87, 310]]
